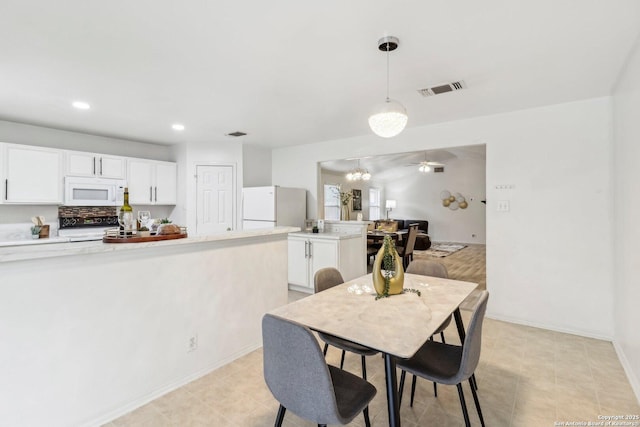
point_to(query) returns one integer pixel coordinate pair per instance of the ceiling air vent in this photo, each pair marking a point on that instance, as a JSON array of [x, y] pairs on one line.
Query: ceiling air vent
[[447, 87], [438, 169], [236, 134]]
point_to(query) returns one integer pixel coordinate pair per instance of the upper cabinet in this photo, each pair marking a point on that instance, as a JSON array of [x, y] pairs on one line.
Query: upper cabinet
[[99, 165], [31, 175], [152, 182]]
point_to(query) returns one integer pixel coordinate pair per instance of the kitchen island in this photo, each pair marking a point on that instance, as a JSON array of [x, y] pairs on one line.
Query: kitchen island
[[92, 330]]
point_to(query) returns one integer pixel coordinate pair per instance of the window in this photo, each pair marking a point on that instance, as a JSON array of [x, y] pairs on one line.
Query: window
[[331, 201], [374, 204]]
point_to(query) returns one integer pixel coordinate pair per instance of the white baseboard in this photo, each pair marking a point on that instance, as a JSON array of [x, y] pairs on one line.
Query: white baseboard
[[633, 380], [143, 400], [555, 328]]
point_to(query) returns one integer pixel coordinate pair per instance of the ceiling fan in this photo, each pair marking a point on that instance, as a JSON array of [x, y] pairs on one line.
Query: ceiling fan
[[426, 166]]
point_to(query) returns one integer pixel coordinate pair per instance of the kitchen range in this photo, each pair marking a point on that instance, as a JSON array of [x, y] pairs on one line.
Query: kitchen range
[[81, 223]]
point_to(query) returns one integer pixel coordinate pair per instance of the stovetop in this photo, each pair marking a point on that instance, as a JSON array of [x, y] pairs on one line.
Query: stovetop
[[88, 222]]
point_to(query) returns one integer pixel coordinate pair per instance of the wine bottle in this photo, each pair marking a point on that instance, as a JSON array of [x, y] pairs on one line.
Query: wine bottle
[[125, 216]]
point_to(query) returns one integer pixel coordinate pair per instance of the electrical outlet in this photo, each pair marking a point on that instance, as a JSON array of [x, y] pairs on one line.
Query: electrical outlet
[[193, 343]]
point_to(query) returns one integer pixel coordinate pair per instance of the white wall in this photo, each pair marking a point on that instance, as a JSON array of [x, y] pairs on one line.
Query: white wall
[[18, 133], [256, 165], [626, 104], [548, 258], [418, 197]]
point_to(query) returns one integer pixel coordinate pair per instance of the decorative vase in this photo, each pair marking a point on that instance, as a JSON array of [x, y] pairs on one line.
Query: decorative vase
[[344, 213], [396, 281]]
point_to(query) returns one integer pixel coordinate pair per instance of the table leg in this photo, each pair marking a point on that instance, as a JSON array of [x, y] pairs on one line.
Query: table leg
[[392, 390], [459, 324]]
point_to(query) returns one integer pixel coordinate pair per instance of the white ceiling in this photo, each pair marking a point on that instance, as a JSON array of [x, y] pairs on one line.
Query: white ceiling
[[293, 72]]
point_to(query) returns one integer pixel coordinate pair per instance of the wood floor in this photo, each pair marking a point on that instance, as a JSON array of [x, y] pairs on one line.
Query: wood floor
[[468, 264]]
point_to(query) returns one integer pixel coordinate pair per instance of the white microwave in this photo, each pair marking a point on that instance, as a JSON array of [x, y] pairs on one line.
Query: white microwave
[[82, 191]]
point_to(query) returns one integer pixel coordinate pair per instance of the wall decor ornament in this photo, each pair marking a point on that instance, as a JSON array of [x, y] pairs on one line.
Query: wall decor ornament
[[453, 201]]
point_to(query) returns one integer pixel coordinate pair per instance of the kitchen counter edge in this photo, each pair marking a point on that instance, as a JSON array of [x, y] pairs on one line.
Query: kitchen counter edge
[[52, 250]]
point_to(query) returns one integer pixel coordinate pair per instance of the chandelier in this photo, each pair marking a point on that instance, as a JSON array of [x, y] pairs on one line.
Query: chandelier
[[358, 174], [390, 117]]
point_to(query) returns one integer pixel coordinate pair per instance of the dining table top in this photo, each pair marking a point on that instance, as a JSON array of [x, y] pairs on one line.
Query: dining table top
[[397, 325]]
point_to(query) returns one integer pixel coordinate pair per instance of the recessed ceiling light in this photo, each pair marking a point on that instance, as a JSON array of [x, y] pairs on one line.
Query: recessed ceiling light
[[177, 126], [81, 105]]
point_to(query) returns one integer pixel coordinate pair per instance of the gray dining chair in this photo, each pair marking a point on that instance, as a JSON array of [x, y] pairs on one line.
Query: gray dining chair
[[301, 381], [406, 251], [451, 364], [434, 269], [324, 279]]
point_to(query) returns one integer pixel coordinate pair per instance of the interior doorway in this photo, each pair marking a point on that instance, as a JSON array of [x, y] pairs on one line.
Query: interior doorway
[[215, 208]]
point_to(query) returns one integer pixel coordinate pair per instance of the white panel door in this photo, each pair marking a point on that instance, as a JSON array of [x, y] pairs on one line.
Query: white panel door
[[214, 205]]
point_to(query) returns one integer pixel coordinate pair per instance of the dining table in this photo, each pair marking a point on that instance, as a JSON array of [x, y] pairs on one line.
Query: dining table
[[397, 326]]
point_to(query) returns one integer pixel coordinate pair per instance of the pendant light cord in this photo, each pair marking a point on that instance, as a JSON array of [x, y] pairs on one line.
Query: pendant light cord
[[387, 71]]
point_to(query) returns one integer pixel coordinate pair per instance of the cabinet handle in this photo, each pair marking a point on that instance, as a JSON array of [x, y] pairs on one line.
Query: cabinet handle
[[310, 251], [151, 194], [306, 254], [6, 189], [156, 189], [94, 165], [100, 166]]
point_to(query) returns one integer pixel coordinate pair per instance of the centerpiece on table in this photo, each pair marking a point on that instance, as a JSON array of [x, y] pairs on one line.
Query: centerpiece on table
[[388, 274]]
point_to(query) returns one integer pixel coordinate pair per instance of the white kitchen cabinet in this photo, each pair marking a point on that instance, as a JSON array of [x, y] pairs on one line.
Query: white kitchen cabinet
[[152, 182], [79, 163], [32, 175], [309, 253]]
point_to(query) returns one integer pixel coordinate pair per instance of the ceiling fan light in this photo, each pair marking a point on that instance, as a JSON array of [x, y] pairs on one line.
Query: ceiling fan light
[[389, 119], [424, 168]]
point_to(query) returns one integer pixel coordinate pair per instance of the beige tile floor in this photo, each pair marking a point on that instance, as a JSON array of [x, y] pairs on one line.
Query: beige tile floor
[[526, 377]]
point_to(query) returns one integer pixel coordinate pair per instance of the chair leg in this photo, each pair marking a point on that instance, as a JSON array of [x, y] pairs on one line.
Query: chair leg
[[442, 336], [326, 347], [280, 416], [435, 389], [413, 389], [365, 412], [401, 388], [342, 359], [364, 368], [476, 401], [475, 383], [467, 423]]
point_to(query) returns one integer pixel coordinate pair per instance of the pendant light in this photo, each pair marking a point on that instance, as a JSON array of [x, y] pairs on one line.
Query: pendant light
[[390, 117]]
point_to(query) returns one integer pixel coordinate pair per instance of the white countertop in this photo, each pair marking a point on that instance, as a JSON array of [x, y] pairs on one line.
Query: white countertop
[[56, 247], [328, 236]]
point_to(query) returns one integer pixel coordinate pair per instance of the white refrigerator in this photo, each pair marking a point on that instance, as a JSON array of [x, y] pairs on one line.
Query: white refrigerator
[[268, 207]]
